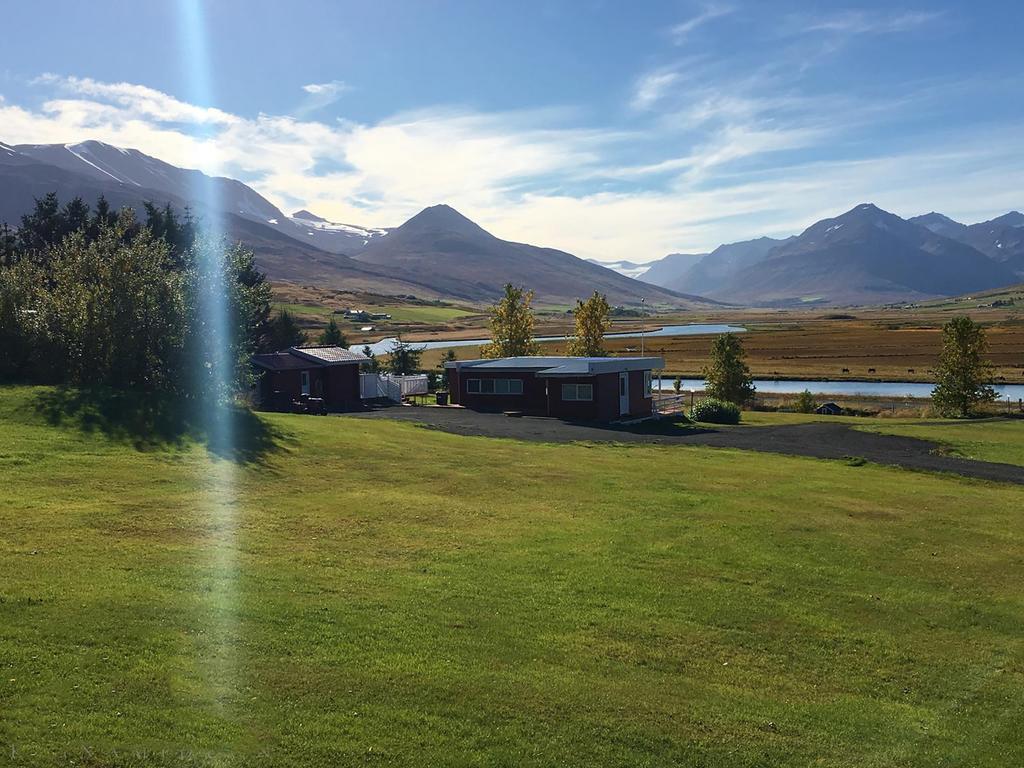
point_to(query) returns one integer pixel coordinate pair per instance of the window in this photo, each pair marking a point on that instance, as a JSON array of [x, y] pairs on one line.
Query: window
[[577, 392], [494, 386], [305, 382], [647, 383]]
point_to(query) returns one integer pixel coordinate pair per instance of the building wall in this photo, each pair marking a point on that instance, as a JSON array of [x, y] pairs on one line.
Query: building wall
[[533, 400], [543, 396], [639, 403], [604, 406], [337, 385]]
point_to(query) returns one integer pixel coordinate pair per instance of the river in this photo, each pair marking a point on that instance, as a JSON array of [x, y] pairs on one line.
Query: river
[[383, 346], [843, 388]]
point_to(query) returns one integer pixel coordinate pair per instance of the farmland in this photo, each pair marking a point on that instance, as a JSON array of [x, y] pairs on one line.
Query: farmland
[[500, 603]]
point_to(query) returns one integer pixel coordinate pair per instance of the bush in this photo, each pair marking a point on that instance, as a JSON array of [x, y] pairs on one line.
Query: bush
[[712, 411], [805, 402]]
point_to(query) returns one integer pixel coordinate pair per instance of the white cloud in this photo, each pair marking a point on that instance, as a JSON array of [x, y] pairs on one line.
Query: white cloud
[[651, 87], [864, 22], [681, 31], [333, 88]]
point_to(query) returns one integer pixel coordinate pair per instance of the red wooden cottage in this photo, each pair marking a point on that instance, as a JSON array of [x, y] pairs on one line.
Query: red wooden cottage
[[327, 374], [585, 388]]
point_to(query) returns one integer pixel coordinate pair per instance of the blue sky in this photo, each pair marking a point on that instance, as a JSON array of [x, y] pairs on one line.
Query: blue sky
[[613, 130]]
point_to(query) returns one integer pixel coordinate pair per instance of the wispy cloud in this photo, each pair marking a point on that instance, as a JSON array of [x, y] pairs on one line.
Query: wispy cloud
[[333, 88], [651, 87], [681, 31], [865, 22]]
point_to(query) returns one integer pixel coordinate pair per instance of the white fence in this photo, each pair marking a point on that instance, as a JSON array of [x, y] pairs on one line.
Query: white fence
[[379, 386]]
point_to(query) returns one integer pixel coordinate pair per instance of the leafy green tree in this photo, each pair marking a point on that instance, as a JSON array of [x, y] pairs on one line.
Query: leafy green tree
[[963, 374], [805, 402], [677, 384], [728, 377], [511, 325], [283, 332], [332, 336], [591, 326], [404, 358]]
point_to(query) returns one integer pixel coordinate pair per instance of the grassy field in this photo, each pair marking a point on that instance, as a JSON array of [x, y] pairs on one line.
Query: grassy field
[[385, 594]]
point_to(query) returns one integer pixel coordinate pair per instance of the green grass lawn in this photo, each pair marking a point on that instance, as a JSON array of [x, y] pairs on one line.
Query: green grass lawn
[[404, 313], [385, 594]]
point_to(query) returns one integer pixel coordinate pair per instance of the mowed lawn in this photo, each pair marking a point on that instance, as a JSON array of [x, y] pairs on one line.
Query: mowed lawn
[[385, 594]]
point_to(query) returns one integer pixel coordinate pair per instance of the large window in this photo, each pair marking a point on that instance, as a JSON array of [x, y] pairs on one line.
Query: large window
[[577, 392], [494, 386]]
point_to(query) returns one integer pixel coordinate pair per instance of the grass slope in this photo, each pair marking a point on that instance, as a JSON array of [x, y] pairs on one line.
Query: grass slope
[[385, 594], [986, 440]]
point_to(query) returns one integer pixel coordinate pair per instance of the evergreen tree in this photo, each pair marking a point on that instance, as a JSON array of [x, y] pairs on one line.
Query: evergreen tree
[[963, 374], [591, 326], [374, 365], [332, 336], [512, 325], [8, 245], [727, 375], [404, 358], [448, 356], [283, 332]]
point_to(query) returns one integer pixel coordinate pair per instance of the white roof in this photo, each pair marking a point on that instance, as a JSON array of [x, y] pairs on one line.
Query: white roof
[[561, 366]]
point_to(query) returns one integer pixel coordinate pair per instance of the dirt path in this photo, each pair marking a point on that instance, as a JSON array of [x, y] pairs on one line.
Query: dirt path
[[817, 440]]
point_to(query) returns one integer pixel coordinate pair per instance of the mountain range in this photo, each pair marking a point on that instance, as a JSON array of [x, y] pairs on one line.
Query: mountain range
[[864, 256], [436, 254]]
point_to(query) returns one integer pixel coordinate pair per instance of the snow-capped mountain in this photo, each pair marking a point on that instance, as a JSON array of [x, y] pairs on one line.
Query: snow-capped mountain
[[349, 238], [107, 163]]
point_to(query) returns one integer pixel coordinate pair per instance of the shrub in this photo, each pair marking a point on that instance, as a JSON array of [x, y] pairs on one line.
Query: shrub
[[805, 402], [712, 411]]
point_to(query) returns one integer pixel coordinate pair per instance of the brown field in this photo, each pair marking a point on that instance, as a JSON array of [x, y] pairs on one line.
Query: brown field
[[878, 343], [835, 349]]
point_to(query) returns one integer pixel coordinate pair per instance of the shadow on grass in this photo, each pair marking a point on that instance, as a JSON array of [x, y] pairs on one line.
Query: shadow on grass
[[151, 422]]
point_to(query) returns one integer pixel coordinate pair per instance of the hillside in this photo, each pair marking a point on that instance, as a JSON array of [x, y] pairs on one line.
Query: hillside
[[865, 256], [667, 272], [442, 248]]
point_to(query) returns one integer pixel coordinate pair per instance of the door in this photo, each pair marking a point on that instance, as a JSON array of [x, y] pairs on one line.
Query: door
[[623, 393], [305, 382]]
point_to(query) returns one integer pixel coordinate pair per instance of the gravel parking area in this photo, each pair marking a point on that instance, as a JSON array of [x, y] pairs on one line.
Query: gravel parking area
[[818, 440]]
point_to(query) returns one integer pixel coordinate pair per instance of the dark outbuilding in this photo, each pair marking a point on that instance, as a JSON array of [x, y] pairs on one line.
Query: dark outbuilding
[[327, 375], [829, 409], [583, 388]]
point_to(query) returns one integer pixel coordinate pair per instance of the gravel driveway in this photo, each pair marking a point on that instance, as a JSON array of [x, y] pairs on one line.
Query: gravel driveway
[[818, 440]]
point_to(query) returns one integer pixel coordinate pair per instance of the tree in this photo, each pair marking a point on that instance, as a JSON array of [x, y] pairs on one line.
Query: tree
[[374, 366], [404, 358], [963, 374], [728, 377], [512, 325], [591, 326], [332, 336], [284, 332], [448, 356], [805, 402]]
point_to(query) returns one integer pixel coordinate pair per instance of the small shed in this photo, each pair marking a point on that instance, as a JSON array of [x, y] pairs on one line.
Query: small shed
[[584, 388], [330, 374], [828, 409]]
